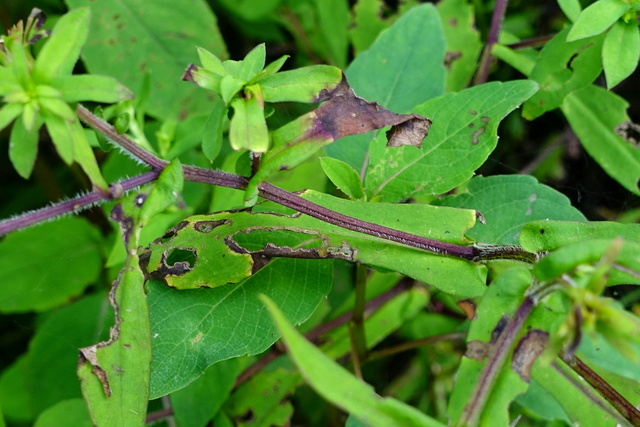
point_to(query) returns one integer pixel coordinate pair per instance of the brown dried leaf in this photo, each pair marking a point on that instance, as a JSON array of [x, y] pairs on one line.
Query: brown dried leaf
[[527, 351]]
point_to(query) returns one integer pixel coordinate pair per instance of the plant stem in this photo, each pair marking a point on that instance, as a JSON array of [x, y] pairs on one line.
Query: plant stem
[[267, 191], [499, 11], [410, 345], [357, 320], [622, 405], [497, 357]]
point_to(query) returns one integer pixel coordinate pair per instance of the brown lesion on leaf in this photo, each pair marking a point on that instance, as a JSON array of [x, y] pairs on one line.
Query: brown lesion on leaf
[[175, 261], [475, 137], [480, 350], [527, 351], [207, 226], [451, 57], [346, 114], [630, 132]]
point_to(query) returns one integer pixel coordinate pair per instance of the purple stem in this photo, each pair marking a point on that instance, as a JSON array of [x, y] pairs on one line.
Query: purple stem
[[499, 11]]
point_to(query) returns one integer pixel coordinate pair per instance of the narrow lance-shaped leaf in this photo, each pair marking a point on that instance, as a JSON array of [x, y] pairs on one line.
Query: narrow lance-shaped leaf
[[84, 155], [596, 18], [343, 114], [620, 51], [300, 85], [61, 52], [351, 394], [23, 148], [600, 120], [115, 374], [212, 135], [563, 67], [91, 88]]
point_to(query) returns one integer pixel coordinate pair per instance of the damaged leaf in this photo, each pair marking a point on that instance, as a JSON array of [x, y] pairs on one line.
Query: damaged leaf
[[225, 247], [343, 114], [462, 122], [529, 348], [114, 374]]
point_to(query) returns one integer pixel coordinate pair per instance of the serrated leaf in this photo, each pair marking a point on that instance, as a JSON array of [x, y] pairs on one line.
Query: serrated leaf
[[509, 202], [214, 127], [198, 253], [563, 67], [156, 42], [340, 387], [86, 87], [463, 42], [23, 148], [343, 176], [194, 329], [596, 18], [48, 265], [300, 85], [620, 51], [60, 53], [595, 116], [462, 122], [549, 235]]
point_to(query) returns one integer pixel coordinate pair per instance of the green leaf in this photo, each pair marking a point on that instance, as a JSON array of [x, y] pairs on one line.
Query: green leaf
[[8, 113], [563, 67], [253, 62], [230, 85], [68, 413], [248, 128], [501, 299], [251, 10], [195, 328], [264, 397], [83, 154], [23, 148], [166, 190], [509, 202], [462, 122], [367, 24], [197, 403], [570, 256], [91, 88], [595, 116], [343, 176], [197, 252], [463, 42], [341, 388], [51, 362], [403, 68], [48, 265], [210, 61], [620, 51], [114, 375], [392, 71], [14, 395], [8, 81], [300, 85], [549, 235], [270, 69], [61, 134], [596, 18], [154, 41], [212, 136], [60, 53], [571, 8], [333, 16]]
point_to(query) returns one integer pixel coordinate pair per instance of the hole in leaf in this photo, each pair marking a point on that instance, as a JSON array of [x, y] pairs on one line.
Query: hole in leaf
[[187, 257]]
